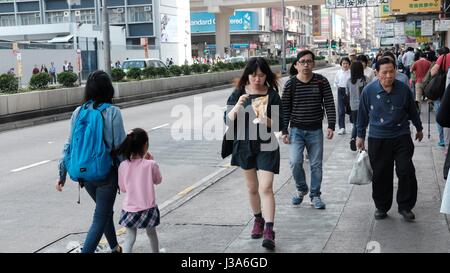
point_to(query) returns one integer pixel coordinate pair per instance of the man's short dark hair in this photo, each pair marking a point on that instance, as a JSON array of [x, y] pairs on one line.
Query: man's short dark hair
[[345, 59], [363, 59], [304, 53], [385, 60]]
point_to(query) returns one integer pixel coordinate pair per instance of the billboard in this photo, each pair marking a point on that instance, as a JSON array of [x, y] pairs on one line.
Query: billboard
[[239, 21], [415, 6], [316, 20]]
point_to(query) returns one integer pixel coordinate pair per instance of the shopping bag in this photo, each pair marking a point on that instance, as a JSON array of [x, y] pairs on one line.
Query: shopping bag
[[445, 205], [361, 173]]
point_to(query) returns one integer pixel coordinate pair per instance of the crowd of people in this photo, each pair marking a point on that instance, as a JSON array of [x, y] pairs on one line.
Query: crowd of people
[[381, 100]]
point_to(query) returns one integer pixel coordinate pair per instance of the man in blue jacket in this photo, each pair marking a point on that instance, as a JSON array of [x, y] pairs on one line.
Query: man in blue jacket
[[387, 105]]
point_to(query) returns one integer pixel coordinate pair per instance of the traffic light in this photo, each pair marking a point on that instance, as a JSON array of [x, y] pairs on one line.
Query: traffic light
[[340, 42]]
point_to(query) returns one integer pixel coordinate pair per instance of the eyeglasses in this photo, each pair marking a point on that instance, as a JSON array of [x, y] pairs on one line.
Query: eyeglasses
[[306, 62]]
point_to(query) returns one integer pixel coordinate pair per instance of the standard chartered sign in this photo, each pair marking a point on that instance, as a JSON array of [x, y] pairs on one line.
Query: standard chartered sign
[[240, 21]]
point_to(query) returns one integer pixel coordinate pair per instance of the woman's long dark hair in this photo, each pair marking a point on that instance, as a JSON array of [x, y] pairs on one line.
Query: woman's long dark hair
[[356, 72], [252, 66], [99, 88], [134, 144]]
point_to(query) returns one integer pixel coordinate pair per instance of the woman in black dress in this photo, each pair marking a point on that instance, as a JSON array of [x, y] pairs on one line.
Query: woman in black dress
[[254, 112]]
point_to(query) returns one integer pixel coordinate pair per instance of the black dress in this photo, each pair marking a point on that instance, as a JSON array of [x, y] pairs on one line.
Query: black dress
[[255, 145]]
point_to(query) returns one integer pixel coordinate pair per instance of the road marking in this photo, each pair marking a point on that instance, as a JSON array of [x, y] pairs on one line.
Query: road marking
[[186, 191], [160, 126], [30, 166]]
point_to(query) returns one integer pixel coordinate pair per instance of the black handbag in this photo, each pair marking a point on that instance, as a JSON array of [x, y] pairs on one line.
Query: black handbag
[[436, 87], [227, 146]]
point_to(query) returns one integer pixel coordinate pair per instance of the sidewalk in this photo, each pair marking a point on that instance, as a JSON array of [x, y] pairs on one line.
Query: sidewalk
[[219, 219]]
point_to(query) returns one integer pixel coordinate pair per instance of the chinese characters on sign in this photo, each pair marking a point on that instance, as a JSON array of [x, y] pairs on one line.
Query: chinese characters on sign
[[334, 4]]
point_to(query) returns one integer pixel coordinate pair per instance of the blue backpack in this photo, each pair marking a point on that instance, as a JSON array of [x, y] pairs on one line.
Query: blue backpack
[[88, 158]]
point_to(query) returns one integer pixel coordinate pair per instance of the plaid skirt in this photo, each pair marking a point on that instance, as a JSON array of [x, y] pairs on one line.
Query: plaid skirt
[[140, 219]]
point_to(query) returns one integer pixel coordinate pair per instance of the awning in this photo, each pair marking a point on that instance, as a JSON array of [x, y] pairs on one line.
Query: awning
[[63, 39]]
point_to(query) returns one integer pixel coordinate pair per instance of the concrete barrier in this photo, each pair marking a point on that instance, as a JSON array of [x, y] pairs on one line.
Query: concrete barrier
[[61, 100]]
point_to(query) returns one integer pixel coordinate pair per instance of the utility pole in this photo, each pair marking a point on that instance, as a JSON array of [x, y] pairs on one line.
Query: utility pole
[[106, 38], [283, 44]]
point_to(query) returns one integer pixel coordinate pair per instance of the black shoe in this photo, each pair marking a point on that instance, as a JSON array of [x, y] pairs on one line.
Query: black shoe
[[408, 215], [379, 214], [353, 144]]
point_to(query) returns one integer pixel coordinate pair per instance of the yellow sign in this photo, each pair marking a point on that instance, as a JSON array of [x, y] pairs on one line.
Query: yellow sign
[[415, 6]]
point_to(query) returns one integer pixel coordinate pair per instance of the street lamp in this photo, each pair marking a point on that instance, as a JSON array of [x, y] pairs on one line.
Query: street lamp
[[106, 37], [283, 43]]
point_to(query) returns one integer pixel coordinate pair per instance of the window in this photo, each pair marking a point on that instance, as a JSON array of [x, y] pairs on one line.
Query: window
[[116, 16], [56, 17], [29, 19], [86, 16], [138, 14], [7, 20]]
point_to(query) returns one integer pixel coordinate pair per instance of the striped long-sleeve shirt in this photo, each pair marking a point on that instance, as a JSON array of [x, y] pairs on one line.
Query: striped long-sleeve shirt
[[304, 108]]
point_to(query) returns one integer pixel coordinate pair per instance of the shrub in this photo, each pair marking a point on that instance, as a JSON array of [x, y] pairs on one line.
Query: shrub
[[186, 69], [39, 81], [197, 68], [205, 68], [162, 72], [9, 83], [134, 73], [175, 70], [229, 66], [215, 68], [67, 79], [117, 74], [149, 72]]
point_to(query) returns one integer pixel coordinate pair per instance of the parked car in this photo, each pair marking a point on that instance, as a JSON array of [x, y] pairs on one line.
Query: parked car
[[235, 59], [141, 63]]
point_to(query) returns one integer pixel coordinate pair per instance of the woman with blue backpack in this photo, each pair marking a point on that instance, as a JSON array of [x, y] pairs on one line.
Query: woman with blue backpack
[[97, 130]]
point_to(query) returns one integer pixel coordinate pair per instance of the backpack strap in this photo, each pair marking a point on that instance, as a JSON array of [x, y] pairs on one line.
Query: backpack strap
[[103, 106]]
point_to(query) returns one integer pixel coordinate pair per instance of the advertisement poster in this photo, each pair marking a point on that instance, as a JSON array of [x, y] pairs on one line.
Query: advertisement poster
[[169, 29]]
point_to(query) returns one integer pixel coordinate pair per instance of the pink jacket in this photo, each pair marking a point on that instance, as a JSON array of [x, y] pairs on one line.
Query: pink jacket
[[137, 179]]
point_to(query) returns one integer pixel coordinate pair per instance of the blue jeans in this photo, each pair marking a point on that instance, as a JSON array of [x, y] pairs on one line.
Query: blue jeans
[[437, 105], [104, 195], [341, 107], [313, 141]]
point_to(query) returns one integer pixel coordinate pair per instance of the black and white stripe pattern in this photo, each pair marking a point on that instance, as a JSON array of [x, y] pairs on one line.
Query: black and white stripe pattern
[[140, 219], [305, 108]]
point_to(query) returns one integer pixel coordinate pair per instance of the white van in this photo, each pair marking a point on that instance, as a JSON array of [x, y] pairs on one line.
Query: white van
[[141, 63]]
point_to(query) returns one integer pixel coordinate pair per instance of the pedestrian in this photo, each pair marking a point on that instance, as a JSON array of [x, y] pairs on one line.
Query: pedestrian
[[11, 71], [420, 68], [65, 66], [407, 60], [52, 73], [354, 88], [44, 69], [305, 96], [368, 72], [443, 59], [98, 93], [340, 81], [398, 76], [35, 70], [70, 67], [255, 147], [387, 105], [138, 175]]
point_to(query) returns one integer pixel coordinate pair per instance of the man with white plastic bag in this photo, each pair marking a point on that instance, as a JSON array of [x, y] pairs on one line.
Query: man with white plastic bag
[[361, 173], [445, 205], [387, 105]]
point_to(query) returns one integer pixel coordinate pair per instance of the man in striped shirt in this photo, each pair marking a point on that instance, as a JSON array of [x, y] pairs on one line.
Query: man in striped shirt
[[303, 101]]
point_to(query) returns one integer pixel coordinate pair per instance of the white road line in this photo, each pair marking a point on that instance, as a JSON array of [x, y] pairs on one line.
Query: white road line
[[160, 126], [30, 166]]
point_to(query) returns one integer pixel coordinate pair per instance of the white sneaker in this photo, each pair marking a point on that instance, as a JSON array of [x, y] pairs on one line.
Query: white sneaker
[[341, 131]]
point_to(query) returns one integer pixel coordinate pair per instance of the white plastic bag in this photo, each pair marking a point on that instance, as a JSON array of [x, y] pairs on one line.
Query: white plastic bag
[[362, 171], [445, 205]]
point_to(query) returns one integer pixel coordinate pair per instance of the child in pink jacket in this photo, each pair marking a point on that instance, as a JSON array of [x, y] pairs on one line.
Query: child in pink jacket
[[137, 177]]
